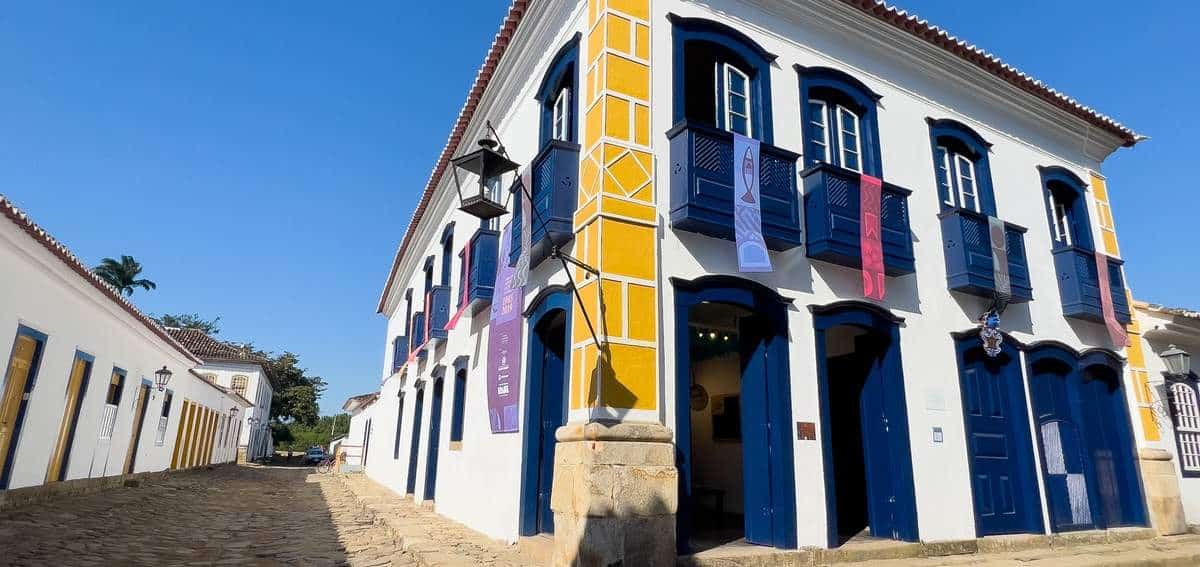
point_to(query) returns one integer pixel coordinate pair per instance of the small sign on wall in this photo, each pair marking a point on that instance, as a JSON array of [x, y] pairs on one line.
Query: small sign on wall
[[806, 431]]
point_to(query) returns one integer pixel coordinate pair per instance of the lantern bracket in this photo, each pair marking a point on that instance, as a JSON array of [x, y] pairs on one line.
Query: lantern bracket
[[555, 252]]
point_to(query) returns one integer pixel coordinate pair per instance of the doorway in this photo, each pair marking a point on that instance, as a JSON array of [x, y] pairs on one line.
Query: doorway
[[1004, 484], [22, 370], [431, 449], [545, 406], [864, 423], [414, 448], [733, 415], [1088, 456], [135, 436]]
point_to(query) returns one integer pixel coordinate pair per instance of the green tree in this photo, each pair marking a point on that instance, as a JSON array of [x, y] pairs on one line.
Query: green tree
[[191, 321], [296, 392], [123, 274], [299, 437]]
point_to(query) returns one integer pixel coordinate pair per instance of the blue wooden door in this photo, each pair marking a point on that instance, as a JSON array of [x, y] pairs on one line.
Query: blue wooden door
[[415, 446], [1111, 448], [876, 430], [756, 446], [1070, 486], [553, 375], [1003, 484], [431, 450]]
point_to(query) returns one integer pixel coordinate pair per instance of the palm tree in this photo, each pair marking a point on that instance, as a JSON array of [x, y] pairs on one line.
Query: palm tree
[[123, 274]]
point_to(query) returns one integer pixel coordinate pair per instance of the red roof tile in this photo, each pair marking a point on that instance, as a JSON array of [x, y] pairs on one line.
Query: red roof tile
[[59, 250], [876, 8]]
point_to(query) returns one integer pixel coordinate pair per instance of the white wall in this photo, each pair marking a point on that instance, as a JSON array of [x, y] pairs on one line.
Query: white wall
[[42, 293], [258, 392], [488, 467]]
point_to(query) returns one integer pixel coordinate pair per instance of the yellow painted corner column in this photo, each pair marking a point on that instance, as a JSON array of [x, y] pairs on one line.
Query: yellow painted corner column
[[616, 223], [615, 483], [1163, 497]]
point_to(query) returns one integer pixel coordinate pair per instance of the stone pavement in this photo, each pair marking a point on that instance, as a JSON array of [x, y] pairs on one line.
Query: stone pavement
[[231, 515], [434, 540]]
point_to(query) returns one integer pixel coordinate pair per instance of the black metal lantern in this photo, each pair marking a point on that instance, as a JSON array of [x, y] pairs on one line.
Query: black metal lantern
[[1178, 361], [233, 411], [162, 377], [489, 166]]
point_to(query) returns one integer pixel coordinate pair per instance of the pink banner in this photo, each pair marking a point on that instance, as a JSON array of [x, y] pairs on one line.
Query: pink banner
[[465, 284], [869, 239], [1116, 332]]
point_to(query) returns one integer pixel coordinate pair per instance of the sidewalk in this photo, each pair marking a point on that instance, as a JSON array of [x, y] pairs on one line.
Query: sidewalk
[[436, 541], [433, 540]]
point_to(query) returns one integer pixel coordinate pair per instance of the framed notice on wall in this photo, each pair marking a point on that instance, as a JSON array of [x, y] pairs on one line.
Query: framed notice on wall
[[727, 418]]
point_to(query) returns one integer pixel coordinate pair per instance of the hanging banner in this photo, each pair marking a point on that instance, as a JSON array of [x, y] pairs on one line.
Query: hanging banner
[[747, 207], [465, 284], [1116, 332], [998, 235], [870, 239], [504, 344], [521, 270]]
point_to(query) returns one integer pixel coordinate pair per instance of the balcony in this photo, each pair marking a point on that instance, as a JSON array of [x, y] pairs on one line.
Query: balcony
[[831, 219], [555, 186], [437, 310], [1080, 287], [418, 334], [480, 276], [702, 186], [399, 353], [968, 251]]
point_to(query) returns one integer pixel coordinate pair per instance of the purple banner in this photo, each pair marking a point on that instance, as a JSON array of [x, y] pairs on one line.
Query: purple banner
[[504, 344]]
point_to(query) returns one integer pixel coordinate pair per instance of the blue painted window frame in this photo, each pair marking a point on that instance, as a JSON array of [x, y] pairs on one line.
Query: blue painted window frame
[[835, 88], [961, 139], [458, 410], [447, 242], [1060, 182], [732, 46], [562, 73]]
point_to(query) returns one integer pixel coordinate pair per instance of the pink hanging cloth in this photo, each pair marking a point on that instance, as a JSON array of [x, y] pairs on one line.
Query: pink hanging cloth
[[1116, 331], [870, 239]]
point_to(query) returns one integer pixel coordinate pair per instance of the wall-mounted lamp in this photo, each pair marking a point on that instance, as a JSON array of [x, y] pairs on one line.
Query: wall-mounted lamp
[[162, 377], [1178, 361]]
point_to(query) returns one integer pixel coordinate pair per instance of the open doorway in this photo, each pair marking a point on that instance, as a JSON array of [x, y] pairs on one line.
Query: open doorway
[[868, 469], [718, 511], [733, 414]]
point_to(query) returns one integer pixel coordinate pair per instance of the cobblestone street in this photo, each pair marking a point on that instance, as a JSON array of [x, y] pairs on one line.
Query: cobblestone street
[[233, 515]]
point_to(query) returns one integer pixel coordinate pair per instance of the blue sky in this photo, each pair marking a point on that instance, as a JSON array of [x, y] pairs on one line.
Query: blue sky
[[262, 159]]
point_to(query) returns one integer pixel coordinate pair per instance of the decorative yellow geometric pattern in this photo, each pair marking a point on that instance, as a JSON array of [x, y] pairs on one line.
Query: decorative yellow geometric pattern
[[1138, 376], [616, 222]]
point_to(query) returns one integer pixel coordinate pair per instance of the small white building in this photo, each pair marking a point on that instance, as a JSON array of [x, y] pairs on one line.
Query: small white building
[[79, 396], [354, 445], [1174, 398], [246, 374]]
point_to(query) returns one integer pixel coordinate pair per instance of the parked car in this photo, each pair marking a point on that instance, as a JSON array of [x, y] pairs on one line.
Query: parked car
[[314, 456]]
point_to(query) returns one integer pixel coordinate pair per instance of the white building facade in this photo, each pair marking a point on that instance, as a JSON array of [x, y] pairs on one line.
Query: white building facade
[[243, 373], [80, 398], [848, 414]]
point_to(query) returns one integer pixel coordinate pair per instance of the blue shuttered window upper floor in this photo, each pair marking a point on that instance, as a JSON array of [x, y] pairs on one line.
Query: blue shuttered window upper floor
[[554, 172], [722, 87], [968, 203], [841, 144]]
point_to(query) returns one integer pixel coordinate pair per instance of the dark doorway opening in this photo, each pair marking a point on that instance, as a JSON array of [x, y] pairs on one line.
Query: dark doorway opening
[[733, 415], [717, 416], [868, 462]]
